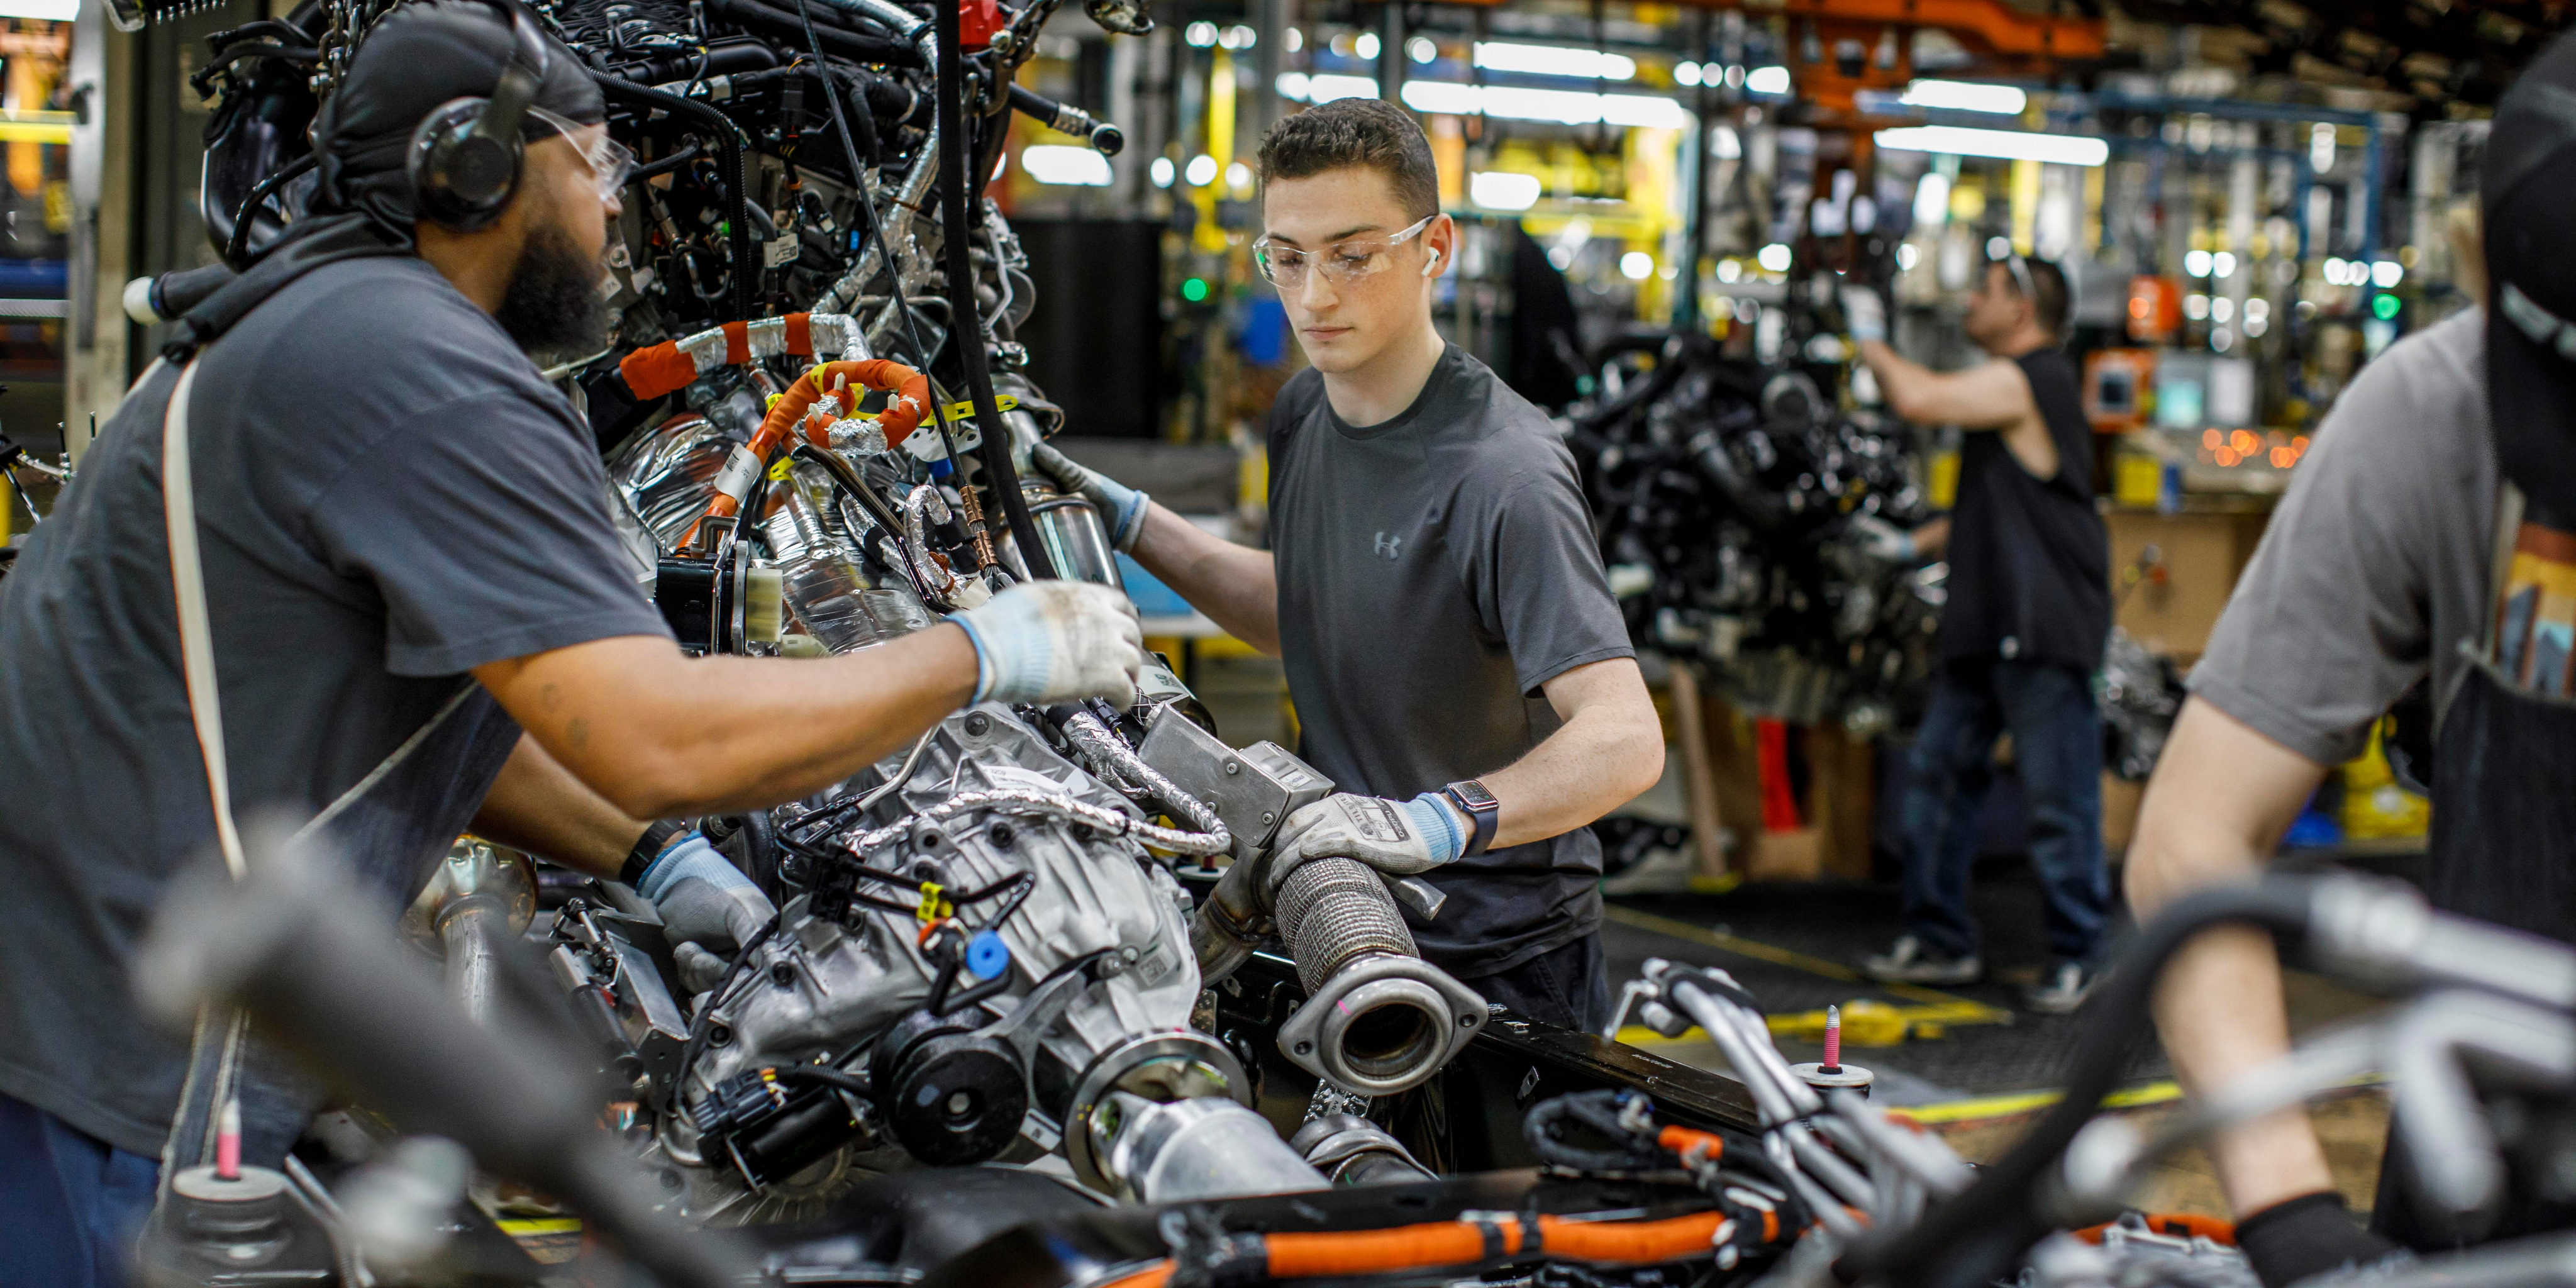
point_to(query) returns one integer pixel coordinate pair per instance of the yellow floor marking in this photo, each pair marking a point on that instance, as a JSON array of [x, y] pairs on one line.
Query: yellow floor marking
[[1742, 947]]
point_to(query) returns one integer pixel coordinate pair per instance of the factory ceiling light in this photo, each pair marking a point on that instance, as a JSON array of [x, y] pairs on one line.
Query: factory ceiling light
[[1066, 166], [1503, 190], [2010, 145], [1561, 106], [1554, 60], [1965, 96], [1767, 80]]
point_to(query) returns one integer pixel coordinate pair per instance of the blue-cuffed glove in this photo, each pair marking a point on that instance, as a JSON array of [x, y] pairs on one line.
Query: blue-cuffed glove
[[708, 906], [1055, 641], [1398, 838], [1884, 541], [1122, 508], [1864, 314]]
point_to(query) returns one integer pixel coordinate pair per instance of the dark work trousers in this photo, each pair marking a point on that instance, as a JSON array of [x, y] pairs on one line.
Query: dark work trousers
[[70, 1204], [2057, 748], [1568, 986]]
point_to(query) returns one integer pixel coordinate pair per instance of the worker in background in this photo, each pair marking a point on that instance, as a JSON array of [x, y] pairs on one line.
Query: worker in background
[[1459, 667], [2450, 459], [421, 617], [2021, 634]]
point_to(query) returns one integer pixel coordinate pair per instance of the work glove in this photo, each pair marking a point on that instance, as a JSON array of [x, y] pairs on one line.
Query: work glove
[[707, 905], [1055, 641], [1882, 540], [1864, 314], [1122, 508], [1398, 838], [2305, 1236]]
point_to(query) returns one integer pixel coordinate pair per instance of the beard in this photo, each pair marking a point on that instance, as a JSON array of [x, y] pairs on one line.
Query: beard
[[553, 306]]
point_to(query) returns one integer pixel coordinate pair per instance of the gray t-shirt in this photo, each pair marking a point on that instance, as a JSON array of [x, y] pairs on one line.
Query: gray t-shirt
[[2376, 564], [1434, 571], [387, 495]]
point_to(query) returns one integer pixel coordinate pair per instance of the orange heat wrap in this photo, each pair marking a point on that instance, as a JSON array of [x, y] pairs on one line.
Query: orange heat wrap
[[1683, 1140], [664, 368], [903, 412], [2179, 1224], [1448, 1243]]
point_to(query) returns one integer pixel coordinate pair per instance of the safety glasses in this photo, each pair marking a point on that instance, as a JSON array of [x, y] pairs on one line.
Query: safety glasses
[[2020, 270], [609, 161], [1342, 263]]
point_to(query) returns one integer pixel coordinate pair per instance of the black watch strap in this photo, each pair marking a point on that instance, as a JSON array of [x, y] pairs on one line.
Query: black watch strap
[[648, 848], [1481, 809]]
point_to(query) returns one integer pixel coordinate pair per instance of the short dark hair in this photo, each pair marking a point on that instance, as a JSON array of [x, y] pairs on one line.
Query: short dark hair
[[1356, 132], [2048, 291]]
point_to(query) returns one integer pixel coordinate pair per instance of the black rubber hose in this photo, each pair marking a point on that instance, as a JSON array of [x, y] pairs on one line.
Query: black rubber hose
[[239, 243], [957, 188], [1064, 118], [848, 44], [1974, 1238], [728, 136]]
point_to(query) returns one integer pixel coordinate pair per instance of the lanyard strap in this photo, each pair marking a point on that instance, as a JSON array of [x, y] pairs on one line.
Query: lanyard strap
[[196, 632]]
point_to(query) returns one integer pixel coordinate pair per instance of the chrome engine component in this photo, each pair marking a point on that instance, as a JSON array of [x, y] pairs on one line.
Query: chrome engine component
[[1181, 1150], [481, 897]]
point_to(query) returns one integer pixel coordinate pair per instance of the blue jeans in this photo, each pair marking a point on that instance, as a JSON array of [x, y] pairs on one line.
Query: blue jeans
[[70, 1204], [2057, 747]]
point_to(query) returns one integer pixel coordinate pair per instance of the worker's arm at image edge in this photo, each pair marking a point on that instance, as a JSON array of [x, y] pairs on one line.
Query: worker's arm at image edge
[[1235, 585], [661, 735], [1609, 750], [538, 806], [2221, 798]]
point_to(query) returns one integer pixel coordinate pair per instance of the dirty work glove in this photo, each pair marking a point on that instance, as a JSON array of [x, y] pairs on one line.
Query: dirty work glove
[[1883, 541], [1122, 508], [707, 904], [2305, 1236], [1864, 314], [1055, 641], [1398, 838]]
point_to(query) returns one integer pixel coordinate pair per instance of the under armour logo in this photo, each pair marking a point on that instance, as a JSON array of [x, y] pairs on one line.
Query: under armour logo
[[1389, 547]]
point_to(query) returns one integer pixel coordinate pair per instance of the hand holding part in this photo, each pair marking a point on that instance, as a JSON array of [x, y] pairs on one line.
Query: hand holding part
[[1399, 838], [1882, 540], [1122, 508], [706, 903], [1055, 641], [2307, 1236], [1864, 314]]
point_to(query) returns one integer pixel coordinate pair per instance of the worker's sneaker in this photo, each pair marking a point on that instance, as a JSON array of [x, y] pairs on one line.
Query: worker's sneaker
[[1912, 961], [2061, 990]]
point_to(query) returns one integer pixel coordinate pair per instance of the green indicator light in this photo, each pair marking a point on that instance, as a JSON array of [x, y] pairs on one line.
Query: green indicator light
[[2385, 307], [1196, 289]]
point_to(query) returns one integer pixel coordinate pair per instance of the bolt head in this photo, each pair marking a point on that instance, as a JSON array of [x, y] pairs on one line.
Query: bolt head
[[1233, 767]]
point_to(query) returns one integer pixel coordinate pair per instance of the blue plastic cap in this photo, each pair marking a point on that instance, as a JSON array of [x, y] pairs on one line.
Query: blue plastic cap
[[941, 468], [986, 955]]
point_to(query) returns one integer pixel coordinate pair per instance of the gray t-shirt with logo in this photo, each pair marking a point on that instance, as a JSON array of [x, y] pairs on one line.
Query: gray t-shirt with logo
[[1434, 571]]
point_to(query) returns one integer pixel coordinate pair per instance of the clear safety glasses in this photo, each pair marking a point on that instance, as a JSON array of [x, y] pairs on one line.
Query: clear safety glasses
[[1343, 263], [609, 161]]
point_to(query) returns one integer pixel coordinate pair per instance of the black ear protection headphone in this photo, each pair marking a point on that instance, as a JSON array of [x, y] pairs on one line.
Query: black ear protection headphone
[[466, 156]]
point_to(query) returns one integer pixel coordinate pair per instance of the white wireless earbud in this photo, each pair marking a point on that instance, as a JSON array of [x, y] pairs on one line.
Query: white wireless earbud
[[1433, 264]]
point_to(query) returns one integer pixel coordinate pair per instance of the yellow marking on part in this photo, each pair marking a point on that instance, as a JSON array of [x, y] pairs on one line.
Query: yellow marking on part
[[778, 472], [958, 411], [541, 1225], [1759, 951], [1866, 1023], [2143, 1095]]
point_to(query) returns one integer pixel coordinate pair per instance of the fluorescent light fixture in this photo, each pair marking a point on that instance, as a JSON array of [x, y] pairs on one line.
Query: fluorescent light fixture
[[1292, 85], [1554, 60], [1636, 266], [1503, 189], [1200, 35], [1932, 199], [1421, 49], [47, 10], [1964, 96], [1561, 106], [1238, 37], [1908, 255], [1767, 80], [2321, 147], [1728, 270], [1686, 73], [1066, 166], [1202, 171], [1773, 258], [2386, 273], [1161, 172], [1366, 46], [2222, 264], [2010, 145], [2196, 263], [1324, 89], [1238, 177]]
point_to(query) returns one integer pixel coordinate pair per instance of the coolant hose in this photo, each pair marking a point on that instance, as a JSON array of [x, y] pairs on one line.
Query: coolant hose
[[957, 189], [1973, 1238], [728, 138]]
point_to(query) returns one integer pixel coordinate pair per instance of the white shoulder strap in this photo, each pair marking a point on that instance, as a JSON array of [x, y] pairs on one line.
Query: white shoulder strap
[[196, 633]]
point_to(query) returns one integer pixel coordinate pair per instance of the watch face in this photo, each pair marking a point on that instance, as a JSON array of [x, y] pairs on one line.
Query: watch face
[[1474, 795]]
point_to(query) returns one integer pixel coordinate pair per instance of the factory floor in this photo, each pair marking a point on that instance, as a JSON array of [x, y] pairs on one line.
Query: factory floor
[[1967, 1062]]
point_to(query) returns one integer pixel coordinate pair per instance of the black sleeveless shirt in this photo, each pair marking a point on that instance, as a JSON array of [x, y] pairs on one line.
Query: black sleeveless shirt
[[2030, 563]]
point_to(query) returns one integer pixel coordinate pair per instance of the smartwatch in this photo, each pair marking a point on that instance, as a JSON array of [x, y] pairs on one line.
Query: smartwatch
[[1480, 807], [649, 847]]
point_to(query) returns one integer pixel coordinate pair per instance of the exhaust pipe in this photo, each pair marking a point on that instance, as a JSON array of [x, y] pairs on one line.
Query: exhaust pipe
[[1378, 1019]]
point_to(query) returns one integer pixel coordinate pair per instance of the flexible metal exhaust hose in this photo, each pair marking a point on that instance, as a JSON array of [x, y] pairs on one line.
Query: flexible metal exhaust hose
[[1011, 801], [1098, 741], [1335, 911]]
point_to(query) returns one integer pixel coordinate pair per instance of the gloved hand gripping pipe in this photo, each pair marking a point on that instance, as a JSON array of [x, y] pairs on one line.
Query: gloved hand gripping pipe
[[966, 330]]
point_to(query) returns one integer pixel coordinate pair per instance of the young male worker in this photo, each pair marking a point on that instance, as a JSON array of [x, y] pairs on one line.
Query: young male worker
[[404, 531], [2425, 537], [1432, 570], [2020, 638]]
